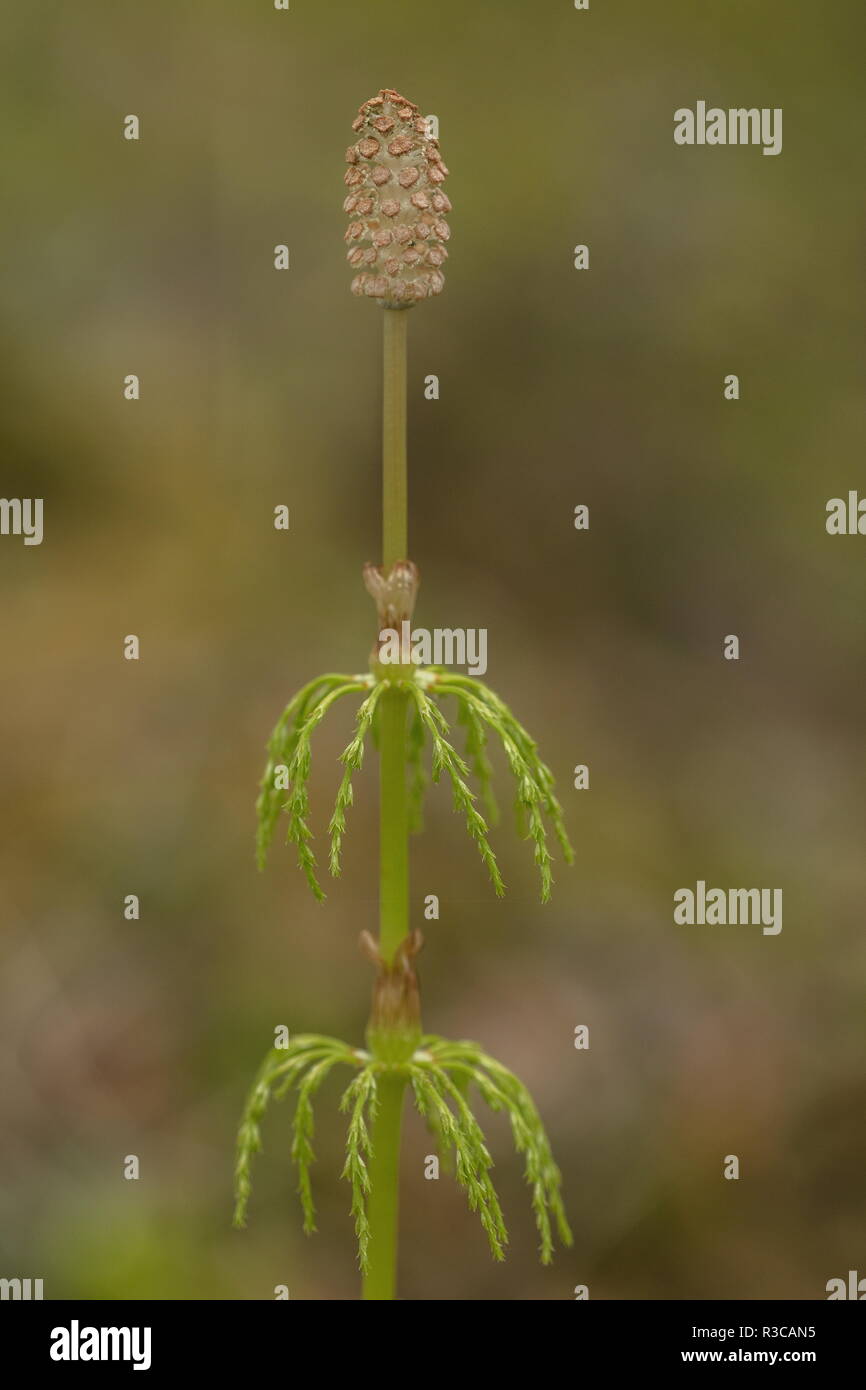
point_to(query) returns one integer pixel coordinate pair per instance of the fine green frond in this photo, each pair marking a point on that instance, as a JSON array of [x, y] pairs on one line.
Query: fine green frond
[[434, 1128], [534, 780], [307, 1050], [281, 749], [528, 748], [302, 1143], [503, 1091], [431, 1088], [456, 1088], [476, 753], [417, 774], [280, 1070], [360, 1097], [444, 1151], [447, 759], [297, 772], [352, 758], [530, 796], [249, 1143], [298, 804], [542, 1173]]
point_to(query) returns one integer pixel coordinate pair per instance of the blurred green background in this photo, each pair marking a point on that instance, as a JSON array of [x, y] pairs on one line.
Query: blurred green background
[[558, 387]]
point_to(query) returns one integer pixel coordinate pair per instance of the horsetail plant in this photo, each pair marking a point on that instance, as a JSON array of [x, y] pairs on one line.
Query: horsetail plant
[[396, 242]]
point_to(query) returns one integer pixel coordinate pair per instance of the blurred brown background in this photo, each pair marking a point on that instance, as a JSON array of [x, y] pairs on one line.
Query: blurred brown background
[[557, 388]]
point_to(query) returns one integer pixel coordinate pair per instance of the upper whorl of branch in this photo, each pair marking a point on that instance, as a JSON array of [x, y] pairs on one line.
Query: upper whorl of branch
[[396, 203]]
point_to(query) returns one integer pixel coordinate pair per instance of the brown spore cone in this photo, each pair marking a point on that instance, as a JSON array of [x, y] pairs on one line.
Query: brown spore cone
[[396, 204]]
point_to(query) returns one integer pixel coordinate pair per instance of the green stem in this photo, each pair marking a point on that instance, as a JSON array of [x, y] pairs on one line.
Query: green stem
[[393, 797], [393, 823], [394, 488], [380, 1281], [381, 1277]]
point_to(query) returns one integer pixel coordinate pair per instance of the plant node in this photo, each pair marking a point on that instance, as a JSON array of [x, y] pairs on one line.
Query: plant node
[[394, 1030]]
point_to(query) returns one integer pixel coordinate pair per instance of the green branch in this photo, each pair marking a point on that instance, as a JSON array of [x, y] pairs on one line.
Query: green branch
[[446, 759]]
